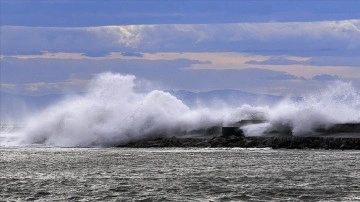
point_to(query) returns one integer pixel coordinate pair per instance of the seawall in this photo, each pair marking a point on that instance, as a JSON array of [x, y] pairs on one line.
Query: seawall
[[250, 142], [338, 136]]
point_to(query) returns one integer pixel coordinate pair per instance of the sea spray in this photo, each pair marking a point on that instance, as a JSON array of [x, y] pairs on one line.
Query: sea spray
[[112, 113], [338, 103]]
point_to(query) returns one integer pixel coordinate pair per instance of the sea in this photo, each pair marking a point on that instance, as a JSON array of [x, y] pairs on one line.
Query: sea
[[177, 174]]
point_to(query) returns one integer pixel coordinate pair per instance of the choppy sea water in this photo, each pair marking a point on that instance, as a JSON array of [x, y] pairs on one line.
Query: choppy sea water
[[177, 174]]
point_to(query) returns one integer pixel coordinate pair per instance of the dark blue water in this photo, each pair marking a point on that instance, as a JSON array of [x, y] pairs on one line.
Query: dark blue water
[[113, 174]]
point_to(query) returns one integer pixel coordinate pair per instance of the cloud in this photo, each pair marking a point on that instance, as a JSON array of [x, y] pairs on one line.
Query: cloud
[[307, 67], [275, 38], [48, 69], [325, 77], [273, 56], [51, 75], [96, 53], [340, 60], [132, 54], [269, 74], [124, 36], [292, 65], [279, 60], [37, 86], [165, 71]]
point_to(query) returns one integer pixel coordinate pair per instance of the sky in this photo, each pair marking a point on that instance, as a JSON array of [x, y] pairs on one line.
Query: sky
[[259, 46]]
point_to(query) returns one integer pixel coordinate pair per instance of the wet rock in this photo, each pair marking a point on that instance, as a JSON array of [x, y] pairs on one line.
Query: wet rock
[[235, 141], [218, 141], [279, 142], [203, 144], [251, 144], [344, 127]]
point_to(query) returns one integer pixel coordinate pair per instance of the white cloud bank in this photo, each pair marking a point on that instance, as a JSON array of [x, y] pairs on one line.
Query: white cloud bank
[[299, 38]]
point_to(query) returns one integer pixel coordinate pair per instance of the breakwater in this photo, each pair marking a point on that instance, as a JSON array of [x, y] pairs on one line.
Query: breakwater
[[339, 136], [284, 142]]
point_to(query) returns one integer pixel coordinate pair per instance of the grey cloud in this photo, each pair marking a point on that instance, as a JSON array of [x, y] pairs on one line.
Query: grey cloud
[[56, 70], [46, 75], [325, 77], [297, 38], [277, 60], [269, 74], [132, 54], [97, 53], [350, 61]]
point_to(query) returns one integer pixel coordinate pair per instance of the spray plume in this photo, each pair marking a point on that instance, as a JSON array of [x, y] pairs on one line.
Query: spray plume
[[112, 112]]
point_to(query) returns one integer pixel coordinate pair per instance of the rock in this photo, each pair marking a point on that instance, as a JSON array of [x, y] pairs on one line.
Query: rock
[[247, 142], [218, 142]]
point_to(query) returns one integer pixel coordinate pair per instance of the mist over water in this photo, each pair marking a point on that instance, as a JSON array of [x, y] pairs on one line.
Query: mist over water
[[113, 112]]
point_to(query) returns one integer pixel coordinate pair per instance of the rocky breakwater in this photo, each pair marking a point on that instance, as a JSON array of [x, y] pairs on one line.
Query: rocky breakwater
[[216, 141], [339, 136], [249, 142]]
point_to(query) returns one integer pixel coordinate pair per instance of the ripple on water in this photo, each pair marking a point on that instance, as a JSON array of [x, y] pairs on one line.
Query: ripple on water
[[177, 174]]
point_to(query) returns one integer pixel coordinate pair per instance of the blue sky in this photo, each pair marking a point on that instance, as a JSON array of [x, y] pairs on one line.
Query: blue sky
[[275, 47]]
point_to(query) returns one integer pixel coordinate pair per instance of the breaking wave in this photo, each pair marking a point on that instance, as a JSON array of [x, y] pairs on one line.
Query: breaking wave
[[339, 103], [112, 112]]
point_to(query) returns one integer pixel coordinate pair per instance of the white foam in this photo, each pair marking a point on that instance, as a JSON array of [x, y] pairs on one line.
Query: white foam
[[112, 112], [338, 103]]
